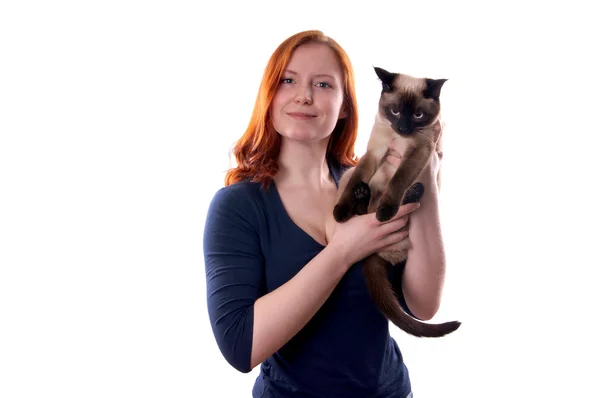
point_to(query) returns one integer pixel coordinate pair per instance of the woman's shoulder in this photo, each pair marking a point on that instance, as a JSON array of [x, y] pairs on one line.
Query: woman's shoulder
[[244, 198], [239, 193], [241, 188]]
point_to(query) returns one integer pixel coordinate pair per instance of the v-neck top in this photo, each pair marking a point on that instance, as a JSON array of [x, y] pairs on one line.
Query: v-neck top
[[251, 247]]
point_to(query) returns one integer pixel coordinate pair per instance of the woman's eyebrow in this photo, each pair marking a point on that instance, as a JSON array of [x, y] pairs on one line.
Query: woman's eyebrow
[[291, 72]]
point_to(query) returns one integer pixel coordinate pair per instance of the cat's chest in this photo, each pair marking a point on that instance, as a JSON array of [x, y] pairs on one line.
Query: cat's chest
[[389, 150], [388, 141], [397, 146]]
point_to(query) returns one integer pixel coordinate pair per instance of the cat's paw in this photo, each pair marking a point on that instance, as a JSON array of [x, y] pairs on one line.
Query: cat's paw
[[361, 192], [362, 196], [342, 211], [414, 193], [386, 211], [361, 208]]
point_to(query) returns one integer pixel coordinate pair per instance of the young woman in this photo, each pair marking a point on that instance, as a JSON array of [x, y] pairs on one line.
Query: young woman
[[281, 293]]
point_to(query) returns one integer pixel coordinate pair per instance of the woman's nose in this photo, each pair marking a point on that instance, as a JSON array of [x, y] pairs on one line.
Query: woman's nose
[[304, 95]]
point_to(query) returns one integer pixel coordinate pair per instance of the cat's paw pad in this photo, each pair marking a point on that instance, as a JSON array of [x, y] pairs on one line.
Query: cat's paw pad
[[414, 193], [342, 211], [362, 192], [386, 212]]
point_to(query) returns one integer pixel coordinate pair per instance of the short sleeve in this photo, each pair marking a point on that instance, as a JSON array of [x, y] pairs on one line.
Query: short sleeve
[[234, 268]]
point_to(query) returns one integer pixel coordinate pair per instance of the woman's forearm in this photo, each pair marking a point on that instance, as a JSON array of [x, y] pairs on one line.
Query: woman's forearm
[[423, 279], [279, 315]]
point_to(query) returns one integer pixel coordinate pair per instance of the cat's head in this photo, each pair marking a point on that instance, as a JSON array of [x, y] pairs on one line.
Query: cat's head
[[407, 102]]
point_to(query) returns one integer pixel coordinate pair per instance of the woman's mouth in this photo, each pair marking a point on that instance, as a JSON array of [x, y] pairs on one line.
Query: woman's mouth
[[301, 115]]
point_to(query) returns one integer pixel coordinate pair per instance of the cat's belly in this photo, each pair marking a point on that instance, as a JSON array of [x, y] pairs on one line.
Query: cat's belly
[[394, 254], [397, 253], [382, 176]]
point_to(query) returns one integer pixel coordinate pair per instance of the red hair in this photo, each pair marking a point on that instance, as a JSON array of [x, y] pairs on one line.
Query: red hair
[[257, 150]]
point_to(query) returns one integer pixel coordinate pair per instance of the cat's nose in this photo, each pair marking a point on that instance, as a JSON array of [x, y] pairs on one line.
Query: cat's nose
[[401, 128]]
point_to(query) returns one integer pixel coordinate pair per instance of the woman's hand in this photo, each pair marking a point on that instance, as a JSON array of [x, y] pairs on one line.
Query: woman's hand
[[363, 235], [434, 165]]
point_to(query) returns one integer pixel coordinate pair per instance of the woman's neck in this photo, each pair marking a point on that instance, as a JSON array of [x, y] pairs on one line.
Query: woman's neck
[[303, 164]]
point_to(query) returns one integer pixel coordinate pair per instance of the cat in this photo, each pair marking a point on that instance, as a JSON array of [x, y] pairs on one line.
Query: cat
[[408, 109]]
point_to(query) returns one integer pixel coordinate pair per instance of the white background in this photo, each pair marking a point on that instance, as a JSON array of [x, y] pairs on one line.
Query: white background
[[116, 120]]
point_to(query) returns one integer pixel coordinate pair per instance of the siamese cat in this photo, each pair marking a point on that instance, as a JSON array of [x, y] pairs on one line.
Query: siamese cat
[[408, 109]]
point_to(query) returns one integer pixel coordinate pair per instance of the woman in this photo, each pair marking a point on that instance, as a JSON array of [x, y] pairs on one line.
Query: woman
[[280, 292]]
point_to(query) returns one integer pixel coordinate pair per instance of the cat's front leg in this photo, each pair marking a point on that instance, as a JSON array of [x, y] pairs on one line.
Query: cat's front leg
[[356, 192], [354, 199], [362, 197], [413, 194], [413, 163]]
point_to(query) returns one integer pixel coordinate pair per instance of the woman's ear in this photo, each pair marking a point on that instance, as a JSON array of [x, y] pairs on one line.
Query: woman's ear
[[343, 112]]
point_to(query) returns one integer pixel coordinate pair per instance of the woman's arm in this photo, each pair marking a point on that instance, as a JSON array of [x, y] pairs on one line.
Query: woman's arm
[[282, 313], [279, 315], [248, 324], [424, 273]]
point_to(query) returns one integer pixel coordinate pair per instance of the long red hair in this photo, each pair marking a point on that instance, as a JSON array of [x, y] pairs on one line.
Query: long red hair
[[257, 150]]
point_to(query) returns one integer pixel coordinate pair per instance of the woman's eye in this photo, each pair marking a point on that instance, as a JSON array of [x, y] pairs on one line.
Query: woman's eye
[[286, 81], [324, 85]]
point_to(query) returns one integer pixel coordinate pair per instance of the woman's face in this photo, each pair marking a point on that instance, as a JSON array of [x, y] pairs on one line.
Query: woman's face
[[310, 97]]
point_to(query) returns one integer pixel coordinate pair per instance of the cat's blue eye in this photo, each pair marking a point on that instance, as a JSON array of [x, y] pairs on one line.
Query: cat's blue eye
[[394, 112], [418, 115]]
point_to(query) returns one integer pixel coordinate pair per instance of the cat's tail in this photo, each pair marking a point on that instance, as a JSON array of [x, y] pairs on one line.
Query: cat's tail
[[382, 293]]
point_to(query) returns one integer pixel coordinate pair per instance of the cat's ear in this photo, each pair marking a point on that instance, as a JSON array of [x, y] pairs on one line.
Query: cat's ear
[[387, 78], [434, 88]]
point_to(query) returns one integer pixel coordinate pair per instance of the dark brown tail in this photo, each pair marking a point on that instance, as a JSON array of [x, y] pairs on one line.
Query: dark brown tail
[[382, 293]]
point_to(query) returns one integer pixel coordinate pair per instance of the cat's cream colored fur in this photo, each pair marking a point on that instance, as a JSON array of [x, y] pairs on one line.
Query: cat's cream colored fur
[[388, 184]]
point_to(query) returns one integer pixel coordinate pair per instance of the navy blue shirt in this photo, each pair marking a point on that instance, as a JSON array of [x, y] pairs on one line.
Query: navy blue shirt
[[251, 247]]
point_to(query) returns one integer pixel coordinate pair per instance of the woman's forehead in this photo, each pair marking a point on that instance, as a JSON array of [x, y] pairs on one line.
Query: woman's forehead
[[314, 59]]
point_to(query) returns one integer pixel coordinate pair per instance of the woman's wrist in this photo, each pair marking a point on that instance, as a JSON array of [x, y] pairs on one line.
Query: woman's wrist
[[337, 254]]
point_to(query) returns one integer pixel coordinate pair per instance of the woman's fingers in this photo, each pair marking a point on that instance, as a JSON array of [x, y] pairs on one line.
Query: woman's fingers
[[393, 226], [392, 239], [405, 209], [402, 211]]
